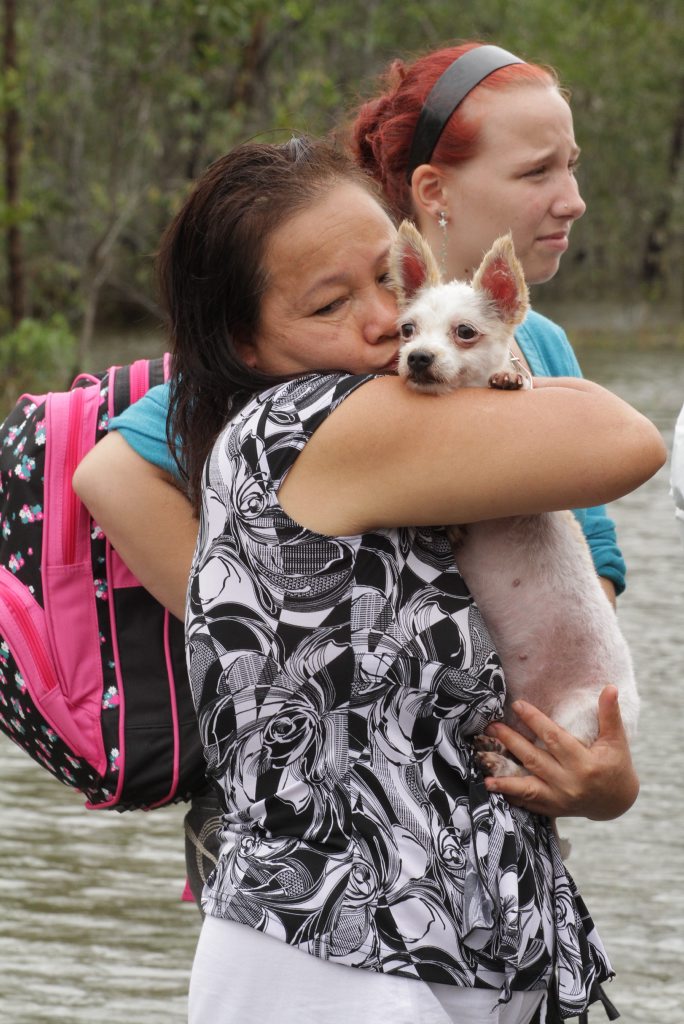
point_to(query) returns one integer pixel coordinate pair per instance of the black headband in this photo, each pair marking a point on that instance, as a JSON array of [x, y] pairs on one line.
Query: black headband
[[450, 89]]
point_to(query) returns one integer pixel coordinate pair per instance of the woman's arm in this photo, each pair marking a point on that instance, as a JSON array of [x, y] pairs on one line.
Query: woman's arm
[[389, 456], [567, 778], [150, 523], [609, 590], [599, 531], [145, 516]]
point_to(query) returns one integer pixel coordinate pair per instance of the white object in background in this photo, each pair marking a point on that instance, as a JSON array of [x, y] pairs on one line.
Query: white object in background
[[677, 472]]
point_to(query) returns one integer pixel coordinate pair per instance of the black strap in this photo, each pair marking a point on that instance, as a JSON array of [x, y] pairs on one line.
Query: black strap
[[122, 389], [450, 89], [157, 374], [122, 382], [596, 994]]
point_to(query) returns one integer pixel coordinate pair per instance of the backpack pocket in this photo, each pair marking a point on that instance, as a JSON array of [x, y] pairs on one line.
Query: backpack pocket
[[33, 709], [71, 623]]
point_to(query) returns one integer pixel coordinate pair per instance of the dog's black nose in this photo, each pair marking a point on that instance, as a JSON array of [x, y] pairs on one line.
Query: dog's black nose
[[419, 361]]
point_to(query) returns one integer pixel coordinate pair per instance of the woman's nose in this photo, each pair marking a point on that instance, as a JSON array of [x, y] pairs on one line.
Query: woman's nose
[[381, 322], [569, 202]]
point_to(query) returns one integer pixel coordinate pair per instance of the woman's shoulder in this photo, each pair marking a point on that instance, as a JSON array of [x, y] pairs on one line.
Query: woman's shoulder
[[546, 347], [268, 433], [143, 426], [307, 400], [541, 328], [153, 407]]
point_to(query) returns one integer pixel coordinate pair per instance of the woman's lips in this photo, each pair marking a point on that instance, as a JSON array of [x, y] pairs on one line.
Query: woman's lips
[[558, 241]]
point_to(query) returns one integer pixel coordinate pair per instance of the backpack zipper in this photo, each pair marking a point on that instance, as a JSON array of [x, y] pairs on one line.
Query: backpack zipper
[[72, 457], [139, 376], [28, 639]]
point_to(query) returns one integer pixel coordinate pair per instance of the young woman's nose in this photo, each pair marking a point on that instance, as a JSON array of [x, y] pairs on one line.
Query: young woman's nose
[[381, 319], [569, 203]]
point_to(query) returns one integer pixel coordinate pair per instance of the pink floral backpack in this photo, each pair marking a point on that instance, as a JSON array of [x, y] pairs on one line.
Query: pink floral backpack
[[93, 682]]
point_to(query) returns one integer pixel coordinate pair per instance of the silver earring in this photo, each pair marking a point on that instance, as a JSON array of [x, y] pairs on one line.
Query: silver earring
[[443, 252]]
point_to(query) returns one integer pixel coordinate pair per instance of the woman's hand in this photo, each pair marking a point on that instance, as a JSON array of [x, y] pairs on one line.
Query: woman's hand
[[568, 778]]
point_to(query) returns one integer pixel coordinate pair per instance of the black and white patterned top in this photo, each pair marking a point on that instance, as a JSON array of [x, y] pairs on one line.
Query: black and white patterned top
[[338, 681]]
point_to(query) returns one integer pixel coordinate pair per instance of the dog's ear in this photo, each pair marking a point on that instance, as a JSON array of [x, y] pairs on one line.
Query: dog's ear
[[412, 265], [501, 276]]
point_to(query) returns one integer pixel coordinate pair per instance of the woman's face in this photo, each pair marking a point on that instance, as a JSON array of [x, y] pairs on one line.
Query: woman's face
[[521, 180], [327, 305]]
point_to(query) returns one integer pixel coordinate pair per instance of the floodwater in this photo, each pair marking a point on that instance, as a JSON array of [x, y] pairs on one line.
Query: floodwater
[[92, 929]]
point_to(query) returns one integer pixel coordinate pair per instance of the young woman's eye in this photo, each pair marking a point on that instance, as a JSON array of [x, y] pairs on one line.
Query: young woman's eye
[[407, 331], [537, 172], [574, 166], [464, 332]]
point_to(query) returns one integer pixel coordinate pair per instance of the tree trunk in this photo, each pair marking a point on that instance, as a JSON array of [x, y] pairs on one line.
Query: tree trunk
[[658, 237], [85, 339], [15, 265]]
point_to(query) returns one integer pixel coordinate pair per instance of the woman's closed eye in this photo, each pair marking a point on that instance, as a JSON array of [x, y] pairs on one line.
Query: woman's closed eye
[[331, 307]]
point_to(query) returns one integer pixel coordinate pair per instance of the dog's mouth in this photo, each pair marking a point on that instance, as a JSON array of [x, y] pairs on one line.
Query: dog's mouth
[[430, 383]]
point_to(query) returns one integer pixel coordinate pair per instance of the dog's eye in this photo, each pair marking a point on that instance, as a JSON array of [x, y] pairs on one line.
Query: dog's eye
[[407, 331], [465, 332]]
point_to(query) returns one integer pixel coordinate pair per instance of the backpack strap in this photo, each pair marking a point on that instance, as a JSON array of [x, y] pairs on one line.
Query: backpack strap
[[128, 384], [66, 568]]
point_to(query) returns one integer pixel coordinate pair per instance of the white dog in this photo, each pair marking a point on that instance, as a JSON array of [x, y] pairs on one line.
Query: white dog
[[531, 576]]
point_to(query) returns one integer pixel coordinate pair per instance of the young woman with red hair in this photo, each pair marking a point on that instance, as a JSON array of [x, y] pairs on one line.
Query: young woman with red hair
[[472, 142]]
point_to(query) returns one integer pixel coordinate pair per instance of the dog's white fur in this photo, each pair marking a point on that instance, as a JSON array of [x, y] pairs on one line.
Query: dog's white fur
[[532, 577]]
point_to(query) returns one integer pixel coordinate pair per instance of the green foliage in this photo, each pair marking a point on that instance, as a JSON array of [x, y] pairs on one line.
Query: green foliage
[[36, 356], [123, 104]]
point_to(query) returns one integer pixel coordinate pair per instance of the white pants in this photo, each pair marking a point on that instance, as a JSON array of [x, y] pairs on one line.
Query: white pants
[[240, 975]]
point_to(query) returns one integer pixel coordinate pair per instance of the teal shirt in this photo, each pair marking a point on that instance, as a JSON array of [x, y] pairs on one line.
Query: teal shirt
[[143, 426], [548, 353]]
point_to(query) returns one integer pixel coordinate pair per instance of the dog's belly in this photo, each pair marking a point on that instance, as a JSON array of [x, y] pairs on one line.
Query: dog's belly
[[557, 636]]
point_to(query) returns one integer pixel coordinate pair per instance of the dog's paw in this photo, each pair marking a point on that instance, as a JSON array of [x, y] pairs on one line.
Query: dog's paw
[[487, 744], [506, 381], [456, 535], [494, 759], [497, 766]]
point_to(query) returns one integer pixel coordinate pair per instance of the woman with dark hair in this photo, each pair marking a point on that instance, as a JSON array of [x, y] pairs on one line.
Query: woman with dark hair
[[469, 155], [338, 664]]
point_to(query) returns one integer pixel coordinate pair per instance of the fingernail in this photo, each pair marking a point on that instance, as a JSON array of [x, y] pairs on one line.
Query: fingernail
[[518, 705]]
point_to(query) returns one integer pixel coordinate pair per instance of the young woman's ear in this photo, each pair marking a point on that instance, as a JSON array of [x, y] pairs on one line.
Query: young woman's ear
[[428, 192]]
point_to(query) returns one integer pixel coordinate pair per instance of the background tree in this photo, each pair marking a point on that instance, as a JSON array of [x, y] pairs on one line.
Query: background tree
[[12, 152], [122, 105]]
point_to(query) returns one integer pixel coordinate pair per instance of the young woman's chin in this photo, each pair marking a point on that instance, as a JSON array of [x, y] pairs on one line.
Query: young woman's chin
[[540, 271]]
